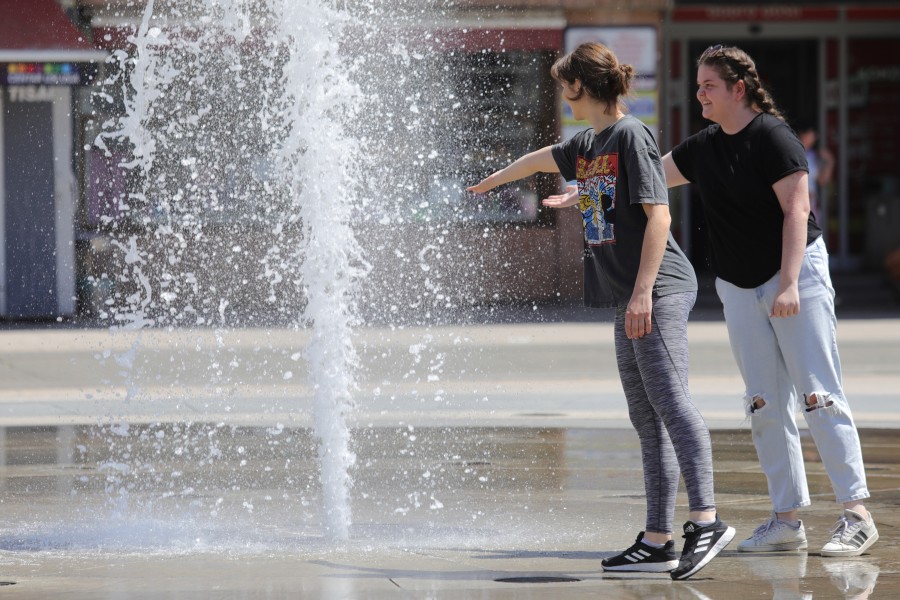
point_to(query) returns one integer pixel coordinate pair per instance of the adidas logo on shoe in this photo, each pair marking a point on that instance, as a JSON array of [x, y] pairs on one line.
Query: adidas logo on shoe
[[701, 544], [704, 542], [637, 556], [641, 557], [852, 535]]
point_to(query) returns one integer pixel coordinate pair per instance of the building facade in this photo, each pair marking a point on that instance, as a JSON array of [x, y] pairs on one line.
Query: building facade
[[831, 64]]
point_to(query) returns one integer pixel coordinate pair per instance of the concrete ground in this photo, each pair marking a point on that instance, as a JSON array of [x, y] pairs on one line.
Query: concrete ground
[[492, 461]]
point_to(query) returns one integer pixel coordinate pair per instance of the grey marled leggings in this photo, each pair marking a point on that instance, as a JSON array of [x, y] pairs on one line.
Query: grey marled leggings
[[672, 433]]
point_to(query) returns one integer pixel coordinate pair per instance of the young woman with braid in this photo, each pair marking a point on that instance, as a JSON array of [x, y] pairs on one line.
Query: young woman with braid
[[632, 264], [773, 279]]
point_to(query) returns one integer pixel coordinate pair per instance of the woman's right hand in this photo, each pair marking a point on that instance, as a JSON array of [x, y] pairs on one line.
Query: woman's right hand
[[539, 161], [567, 198], [483, 186]]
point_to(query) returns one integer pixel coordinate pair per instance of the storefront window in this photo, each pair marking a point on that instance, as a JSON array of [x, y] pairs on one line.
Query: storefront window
[[454, 118], [503, 110], [872, 145]]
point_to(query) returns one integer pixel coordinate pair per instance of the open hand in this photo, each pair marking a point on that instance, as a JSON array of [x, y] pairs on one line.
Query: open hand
[[567, 198]]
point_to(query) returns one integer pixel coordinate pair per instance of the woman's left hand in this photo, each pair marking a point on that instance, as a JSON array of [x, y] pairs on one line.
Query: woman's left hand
[[567, 198], [637, 316]]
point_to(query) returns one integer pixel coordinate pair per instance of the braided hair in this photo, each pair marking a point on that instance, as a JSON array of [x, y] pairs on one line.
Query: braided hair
[[733, 65], [602, 77]]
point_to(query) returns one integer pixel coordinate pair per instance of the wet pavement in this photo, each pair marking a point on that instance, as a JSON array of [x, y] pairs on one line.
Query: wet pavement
[[491, 462]]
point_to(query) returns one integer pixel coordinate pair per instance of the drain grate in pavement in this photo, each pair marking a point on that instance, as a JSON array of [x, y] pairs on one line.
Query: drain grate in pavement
[[537, 580]]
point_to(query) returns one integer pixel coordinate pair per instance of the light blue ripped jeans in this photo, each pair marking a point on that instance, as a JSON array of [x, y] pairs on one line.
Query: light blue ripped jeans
[[785, 361]]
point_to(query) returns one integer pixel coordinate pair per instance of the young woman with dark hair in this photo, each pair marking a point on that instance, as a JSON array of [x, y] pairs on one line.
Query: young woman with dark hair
[[632, 264]]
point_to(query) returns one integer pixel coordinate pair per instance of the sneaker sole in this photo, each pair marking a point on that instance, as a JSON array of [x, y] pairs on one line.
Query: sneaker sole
[[857, 552], [663, 567], [713, 552], [786, 547]]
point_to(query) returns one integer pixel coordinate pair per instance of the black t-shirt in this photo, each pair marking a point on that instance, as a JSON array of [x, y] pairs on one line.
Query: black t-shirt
[[735, 174], [617, 170]]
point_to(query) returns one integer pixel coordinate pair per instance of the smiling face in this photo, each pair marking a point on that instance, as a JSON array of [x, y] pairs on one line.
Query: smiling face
[[717, 101]]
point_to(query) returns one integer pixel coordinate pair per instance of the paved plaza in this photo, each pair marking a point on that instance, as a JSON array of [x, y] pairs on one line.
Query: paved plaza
[[492, 461]]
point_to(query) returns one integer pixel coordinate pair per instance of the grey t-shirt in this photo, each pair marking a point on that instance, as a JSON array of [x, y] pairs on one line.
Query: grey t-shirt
[[618, 170]]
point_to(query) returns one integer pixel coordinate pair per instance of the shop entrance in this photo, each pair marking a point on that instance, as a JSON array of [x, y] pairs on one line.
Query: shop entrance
[[30, 208], [37, 202], [789, 69]]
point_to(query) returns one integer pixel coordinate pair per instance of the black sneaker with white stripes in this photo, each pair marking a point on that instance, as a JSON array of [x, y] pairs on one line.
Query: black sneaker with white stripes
[[701, 544], [641, 557]]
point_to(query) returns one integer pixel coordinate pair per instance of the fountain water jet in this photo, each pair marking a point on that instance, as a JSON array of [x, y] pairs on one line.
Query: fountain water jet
[[309, 179], [273, 151], [322, 176]]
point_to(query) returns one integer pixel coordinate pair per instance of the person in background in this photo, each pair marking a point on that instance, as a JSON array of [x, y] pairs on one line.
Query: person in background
[[632, 264], [821, 170]]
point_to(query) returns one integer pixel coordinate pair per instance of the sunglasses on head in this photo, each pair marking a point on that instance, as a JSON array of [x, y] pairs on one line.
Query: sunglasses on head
[[719, 51]]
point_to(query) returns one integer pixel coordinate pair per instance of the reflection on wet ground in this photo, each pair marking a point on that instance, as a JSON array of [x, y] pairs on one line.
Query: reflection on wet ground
[[207, 510]]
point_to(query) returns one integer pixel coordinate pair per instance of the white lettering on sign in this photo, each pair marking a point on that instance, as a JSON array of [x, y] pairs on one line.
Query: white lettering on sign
[[765, 13], [31, 93]]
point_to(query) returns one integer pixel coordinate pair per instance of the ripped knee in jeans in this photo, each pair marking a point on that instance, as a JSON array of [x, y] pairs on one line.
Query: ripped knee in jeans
[[817, 400], [811, 402], [755, 403]]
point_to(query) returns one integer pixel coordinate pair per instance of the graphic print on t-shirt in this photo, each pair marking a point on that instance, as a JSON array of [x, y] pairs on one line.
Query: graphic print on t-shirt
[[597, 197]]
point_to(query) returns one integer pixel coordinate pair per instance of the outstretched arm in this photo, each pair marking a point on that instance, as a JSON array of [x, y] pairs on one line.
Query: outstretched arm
[[539, 161], [674, 177], [570, 196]]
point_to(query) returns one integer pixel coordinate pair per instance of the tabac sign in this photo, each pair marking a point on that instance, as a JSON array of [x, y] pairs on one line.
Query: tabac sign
[[47, 73]]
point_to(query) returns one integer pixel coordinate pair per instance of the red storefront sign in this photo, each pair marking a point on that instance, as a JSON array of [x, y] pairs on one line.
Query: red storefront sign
[[755, 13]]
